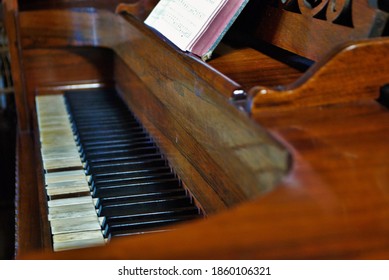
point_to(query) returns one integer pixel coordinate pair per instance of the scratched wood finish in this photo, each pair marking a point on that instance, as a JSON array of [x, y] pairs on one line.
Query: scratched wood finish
[[198, 102], [147, 108], [207, 115]]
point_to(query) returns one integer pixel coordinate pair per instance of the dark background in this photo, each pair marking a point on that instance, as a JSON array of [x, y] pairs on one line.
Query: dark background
[[7, 177]]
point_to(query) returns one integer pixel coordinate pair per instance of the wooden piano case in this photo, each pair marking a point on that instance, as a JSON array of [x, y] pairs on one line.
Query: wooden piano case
[[280, 138]]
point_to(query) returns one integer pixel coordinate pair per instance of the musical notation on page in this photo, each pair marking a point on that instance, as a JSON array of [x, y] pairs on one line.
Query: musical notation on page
[[194, 25]]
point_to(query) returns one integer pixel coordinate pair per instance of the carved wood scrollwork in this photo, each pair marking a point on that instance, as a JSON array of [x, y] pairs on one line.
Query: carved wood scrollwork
[[335, 11]]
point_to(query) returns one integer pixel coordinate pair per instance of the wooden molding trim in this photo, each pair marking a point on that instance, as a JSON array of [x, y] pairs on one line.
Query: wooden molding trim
[[331, 80]]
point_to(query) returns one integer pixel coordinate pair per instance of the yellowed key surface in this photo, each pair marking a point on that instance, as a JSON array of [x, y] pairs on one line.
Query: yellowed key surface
[[78, 224], [73, 220], [69, 241]]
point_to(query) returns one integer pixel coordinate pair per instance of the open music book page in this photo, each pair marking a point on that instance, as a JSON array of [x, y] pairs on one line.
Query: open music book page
[[196, 26]]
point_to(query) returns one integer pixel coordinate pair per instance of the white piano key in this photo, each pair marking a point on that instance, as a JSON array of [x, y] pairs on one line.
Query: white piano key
[[59, 149], [60, 155], [78, 224], [63, 176], [62, 163], [71, 211], [70, 201], [69, 241], [68, 187]]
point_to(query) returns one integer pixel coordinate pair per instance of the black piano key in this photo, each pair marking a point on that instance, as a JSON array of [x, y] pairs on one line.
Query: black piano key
[[125, 229], [104, 126], [140, 207], [90, 145], [112, 151], [136, 188], [189, 210], [120, 158], [120, 153], [104, 115], [118, 175], [115, 200], [109, 133], [108, 136], [87, 124], [130, 179], [102, 163], [147, 197], [125, 166], [138, 143], [114, 130], [96, 113]]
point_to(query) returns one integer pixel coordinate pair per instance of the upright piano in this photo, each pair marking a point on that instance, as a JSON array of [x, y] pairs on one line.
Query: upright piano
[[279, 143]]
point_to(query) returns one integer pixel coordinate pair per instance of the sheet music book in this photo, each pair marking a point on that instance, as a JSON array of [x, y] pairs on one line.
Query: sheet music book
[[195, 26]]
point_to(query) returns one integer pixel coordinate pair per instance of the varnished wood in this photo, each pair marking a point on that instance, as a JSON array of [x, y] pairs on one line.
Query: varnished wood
[[308, 181], [199, 109], [243, 141], [332, 80], [140, 9], [26, 5], [324, 208], [28, 211], [146, 107], [71, 65], [310, 32], [251, 68]]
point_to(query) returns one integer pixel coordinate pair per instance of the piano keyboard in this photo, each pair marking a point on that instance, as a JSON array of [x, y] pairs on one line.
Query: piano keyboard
[[104, 175]]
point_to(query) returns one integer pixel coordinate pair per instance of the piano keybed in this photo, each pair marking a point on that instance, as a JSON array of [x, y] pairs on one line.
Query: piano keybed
[[104, 175]]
